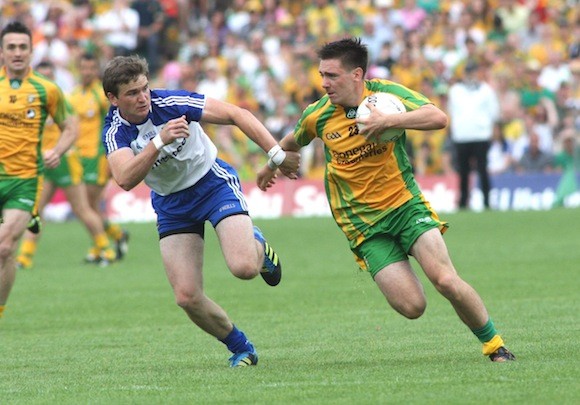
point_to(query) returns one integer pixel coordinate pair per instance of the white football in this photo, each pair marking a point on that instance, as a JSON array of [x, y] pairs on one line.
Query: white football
[[386, 103]]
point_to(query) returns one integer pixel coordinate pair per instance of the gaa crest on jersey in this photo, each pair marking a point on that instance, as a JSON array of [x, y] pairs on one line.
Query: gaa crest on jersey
[[30, 113], [31, 98]]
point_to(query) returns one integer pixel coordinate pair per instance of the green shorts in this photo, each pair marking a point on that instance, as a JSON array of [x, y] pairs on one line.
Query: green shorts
[[95, 170], [391, 239], [68, 173], [22, 194]]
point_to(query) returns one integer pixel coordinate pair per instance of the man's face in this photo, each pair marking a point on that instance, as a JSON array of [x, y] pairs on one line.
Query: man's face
[[89, 71], [46, 71], [340, 84], [16, 53], [134, 100]]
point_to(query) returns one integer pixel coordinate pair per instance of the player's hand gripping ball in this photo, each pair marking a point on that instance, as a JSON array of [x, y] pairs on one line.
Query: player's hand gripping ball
[[386, 103]]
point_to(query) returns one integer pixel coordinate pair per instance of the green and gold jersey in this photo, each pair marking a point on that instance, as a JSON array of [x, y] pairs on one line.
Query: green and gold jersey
[[91, 106], [24, 107], [364, 180], [51, 133]]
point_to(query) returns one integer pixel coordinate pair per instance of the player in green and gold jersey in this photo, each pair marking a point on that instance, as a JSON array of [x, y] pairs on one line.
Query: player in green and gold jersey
[[373, 194], [91, 105], [26, 100], [68, 177]]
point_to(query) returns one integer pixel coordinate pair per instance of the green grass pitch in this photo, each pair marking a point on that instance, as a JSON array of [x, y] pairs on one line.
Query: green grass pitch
[[77, 334]]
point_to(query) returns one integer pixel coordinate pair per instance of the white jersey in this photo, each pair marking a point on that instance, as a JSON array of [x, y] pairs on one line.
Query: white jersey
[[180, 164], [473, 109]]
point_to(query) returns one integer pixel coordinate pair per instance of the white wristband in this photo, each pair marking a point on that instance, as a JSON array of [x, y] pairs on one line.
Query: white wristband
[[275, 149], [271, 164], [158, 142], [279, 157]]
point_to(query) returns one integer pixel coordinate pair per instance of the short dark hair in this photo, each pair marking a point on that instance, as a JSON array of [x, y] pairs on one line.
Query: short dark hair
[[15, 27], [45, 64], [351, 52], [122, 70], [89, 56]]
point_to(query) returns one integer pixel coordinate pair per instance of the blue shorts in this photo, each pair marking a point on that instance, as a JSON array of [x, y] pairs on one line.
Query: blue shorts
[[215, 196]]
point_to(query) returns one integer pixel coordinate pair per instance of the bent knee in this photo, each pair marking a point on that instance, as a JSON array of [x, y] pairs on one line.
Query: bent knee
[[188, 299], [412, 311], [244, 270], [6, 250], [410, 308]]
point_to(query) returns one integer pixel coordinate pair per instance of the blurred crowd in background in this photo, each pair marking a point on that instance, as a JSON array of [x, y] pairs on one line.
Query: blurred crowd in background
[[261, 55]]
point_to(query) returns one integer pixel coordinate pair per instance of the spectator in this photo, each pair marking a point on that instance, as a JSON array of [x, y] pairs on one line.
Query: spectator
[[531, 92], [78, 26], [568, 162], [573, 51], [384, 20], [514, 15], [371, 39], [302, 40], [543, 121], [323, 18], [176, 27], [569, 157], [483, 14], [449, 53], [237, 17], [352, 19], [256, 24], [411, 15], [498, 34], [555, 73], [467, 29], [151, 21], [535, 160], [119, 27], [50, 48], [214, 82], [217, 28], [499, 159], [551, 40], [474, 111], [407, 71]]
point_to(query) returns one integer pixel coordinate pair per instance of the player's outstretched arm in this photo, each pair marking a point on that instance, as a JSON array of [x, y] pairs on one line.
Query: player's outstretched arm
[[219, 112]]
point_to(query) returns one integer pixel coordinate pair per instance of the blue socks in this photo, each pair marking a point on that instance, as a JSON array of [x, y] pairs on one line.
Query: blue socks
[[237, 342]]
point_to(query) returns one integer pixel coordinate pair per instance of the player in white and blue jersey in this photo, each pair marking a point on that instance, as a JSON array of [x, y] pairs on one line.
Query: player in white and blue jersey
[[155, 136]]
